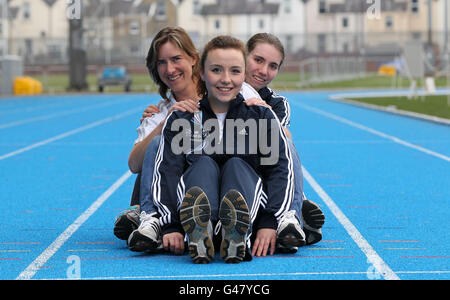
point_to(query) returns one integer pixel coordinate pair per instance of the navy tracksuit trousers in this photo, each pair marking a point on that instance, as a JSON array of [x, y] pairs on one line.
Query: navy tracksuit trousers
[[216, 181]]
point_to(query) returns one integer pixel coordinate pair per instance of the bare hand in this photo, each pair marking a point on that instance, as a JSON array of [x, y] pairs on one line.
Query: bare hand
[[149, 111], [256, 101], [265, 238], [185, 105], [174, 242]]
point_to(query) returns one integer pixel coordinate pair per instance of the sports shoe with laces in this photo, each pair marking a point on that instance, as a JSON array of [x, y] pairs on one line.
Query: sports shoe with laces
[[289, 232], [313, 220], [147, 237], [195, 214], [235, 219], [126, 222]]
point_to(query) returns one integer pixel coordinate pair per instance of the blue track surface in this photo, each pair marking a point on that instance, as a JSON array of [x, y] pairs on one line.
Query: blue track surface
[[382, 180]]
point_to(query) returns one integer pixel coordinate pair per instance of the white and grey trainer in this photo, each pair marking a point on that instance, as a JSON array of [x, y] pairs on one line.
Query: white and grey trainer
[[289, 232], [147, 237]]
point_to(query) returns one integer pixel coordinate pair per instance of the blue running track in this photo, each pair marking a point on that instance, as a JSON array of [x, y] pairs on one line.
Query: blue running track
[[382, 180]]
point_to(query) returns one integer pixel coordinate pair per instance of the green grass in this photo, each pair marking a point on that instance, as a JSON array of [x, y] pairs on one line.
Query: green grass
[[283, 82], [429, 105], [59, 83]]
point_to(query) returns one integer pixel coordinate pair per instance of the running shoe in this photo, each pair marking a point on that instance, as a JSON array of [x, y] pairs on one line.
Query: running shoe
[[147, 237], [289, 232], [195, 214], [235, 219], [313, 220], [126, 222]]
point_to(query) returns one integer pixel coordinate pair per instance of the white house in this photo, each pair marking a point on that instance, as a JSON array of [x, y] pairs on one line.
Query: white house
[[204, 19], [38, 28]]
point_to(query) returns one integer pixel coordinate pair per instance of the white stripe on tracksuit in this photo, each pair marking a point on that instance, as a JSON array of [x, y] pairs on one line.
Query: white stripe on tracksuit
[[181, 191], [289, 195], [257, 198], [286, 120], [162, 209]]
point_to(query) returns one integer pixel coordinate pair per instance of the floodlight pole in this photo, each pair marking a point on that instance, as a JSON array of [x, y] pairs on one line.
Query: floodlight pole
[[105, 42], [445, 26], [77, 54], [430, 35], [429, 47], [5, 26]]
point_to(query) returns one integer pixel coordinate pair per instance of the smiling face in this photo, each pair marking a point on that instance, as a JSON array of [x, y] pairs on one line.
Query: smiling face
[[263, 64], [224, 74], [175, 69]]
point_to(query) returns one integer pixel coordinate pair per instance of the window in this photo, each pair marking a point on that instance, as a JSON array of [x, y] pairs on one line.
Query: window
[[54, 51], [261, 24], [134, 49], [196, 7], [322, 6], [26, 10], [161, 10], [134, 28], [345, 22], [345, 47], [322, 42], [415, 6], [417, 35], [287, 6], [389, 22], [217, 24], [289, 43]]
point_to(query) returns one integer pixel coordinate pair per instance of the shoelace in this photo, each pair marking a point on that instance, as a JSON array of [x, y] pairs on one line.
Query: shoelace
[[149, 220], [217, 228]]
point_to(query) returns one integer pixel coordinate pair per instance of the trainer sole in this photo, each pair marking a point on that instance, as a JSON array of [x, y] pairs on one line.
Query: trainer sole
[[195, 214], [312, 214], [123, 227], [313, 220], [290, 237], [141, 243], [235, 219]]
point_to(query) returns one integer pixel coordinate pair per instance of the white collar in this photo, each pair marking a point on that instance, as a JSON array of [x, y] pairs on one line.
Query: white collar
[[172, 99]]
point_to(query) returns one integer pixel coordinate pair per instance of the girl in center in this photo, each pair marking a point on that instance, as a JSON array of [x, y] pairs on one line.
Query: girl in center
[[222, 186]]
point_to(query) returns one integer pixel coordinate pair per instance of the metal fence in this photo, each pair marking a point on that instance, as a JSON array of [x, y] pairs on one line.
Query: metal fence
[[315, 58]]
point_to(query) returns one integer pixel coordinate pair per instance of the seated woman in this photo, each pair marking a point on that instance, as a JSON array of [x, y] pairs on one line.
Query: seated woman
[[265, 55], [222, 154]]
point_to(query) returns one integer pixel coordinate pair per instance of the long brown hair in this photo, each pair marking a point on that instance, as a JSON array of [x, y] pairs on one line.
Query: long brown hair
[[179, 37]]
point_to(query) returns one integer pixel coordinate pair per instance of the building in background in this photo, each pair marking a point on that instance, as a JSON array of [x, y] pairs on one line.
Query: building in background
[[204, 19], [120, 31], [38, 29], [400, 22]]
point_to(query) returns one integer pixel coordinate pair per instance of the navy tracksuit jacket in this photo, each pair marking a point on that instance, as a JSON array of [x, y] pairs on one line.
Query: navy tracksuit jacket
[[277, 178], [279, 105]]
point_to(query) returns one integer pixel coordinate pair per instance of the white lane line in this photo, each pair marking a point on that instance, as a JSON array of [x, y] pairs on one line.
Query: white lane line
[[373, 131], [243, 275], [56, 115], [40, 261], [372, 256], [69, 133]]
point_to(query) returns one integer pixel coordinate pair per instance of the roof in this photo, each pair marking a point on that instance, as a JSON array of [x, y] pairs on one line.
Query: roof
[[96, 8], [359, 6], [239, 7]]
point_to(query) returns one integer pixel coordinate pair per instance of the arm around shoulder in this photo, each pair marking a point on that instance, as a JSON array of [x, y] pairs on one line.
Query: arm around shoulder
[[137, 154]]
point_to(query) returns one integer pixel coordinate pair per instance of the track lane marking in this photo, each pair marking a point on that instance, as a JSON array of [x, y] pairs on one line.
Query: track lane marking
[[69, 133], [40, 261], [373, 131], [372, 256]]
